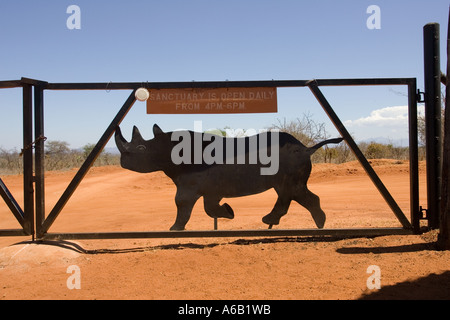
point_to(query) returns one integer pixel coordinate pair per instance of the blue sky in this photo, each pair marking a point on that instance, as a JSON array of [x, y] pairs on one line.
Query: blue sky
[[212, 40]]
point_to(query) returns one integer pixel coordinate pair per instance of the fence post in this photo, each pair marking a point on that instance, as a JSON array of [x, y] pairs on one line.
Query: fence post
[[39, 158], [432, 70], [444, 232], [27, 153], [413, 157]]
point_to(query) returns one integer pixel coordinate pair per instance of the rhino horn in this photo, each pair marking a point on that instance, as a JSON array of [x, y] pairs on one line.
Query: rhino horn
[[121, 143], [136, 135], [157, 130]]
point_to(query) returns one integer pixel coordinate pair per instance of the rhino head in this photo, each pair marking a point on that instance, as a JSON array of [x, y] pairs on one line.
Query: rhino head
[[142, 155]]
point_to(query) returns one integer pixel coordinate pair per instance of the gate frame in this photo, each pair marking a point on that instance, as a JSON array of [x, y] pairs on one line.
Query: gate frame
[[25, 216], [43, 223]]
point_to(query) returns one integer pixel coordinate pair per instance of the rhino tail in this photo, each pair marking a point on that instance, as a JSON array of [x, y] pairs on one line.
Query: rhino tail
[[321, 144]]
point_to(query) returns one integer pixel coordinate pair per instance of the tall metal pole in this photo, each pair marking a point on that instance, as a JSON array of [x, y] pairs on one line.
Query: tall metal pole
[[27, 153], [444, 232], [433, 121], [413, 157], [39, 157]]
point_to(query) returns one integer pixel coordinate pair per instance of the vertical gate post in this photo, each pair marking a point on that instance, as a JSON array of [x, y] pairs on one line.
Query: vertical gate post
[[27, 153], [433, 121], [444, 231], [39, 155], [413, 157]]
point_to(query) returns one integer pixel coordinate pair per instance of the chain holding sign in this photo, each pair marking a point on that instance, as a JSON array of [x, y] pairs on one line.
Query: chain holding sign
[[217, 100]]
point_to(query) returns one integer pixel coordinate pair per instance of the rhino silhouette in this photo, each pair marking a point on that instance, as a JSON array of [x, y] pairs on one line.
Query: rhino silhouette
[[226, 180]]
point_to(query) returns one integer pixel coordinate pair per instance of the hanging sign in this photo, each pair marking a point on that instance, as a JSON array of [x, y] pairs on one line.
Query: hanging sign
[[216, 100]]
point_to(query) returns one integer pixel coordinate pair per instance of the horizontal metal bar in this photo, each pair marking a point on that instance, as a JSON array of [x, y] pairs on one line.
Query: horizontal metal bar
[[21, 82], [174, 85], [10, 84], [33, 82], [202, 84], [221, 84], [364, 82], [228, 233], [13, 233]]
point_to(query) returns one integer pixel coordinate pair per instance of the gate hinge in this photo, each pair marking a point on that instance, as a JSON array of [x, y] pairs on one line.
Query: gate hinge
[[424, 213], [420, 96]]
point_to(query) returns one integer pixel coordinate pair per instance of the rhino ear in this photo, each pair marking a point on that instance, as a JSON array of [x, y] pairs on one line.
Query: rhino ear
[[157, 130]]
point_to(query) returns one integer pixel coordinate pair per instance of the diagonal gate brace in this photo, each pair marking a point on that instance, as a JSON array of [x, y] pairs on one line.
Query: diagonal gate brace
[[313, 86], [12, 203]]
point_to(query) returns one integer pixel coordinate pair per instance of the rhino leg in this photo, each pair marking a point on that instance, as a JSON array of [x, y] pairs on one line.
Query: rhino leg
[[215, 210], [311, 202], [185, 201], [280, 209]]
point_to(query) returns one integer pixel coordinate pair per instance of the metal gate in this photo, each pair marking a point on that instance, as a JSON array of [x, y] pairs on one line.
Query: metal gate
[[35, 223]]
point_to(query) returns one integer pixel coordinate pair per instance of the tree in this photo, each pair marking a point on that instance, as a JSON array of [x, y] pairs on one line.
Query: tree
[[87, 149], [306, 130], [56, 147]]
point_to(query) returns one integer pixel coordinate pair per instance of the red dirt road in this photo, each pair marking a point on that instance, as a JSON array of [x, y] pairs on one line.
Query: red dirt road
[[114, 199]]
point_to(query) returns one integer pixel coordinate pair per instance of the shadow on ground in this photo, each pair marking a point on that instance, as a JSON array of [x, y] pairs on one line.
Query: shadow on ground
[[431, 287], [180, 246]]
